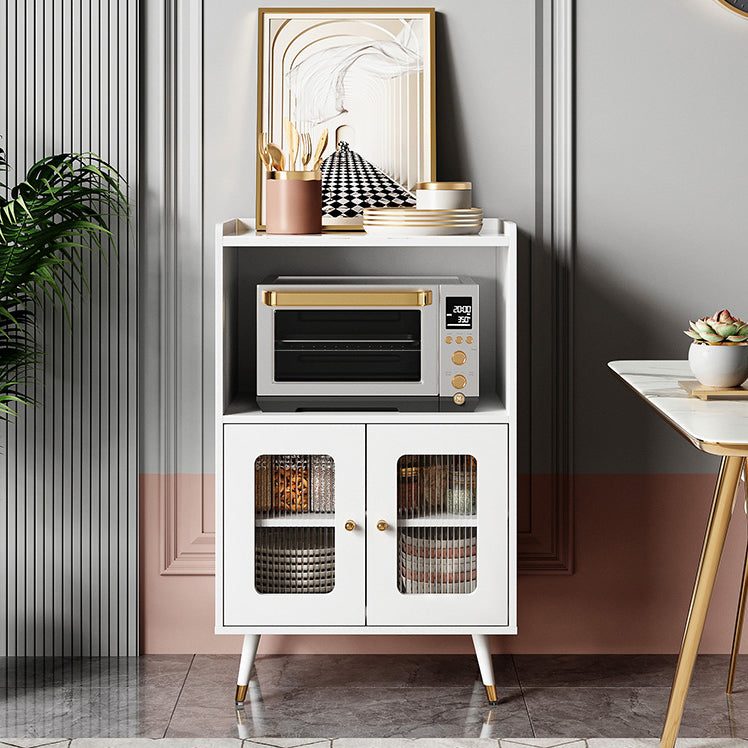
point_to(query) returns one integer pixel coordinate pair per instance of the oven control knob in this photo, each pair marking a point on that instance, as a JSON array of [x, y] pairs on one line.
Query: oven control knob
[[469, 339], [458, 398], [458, 340], [448, 339], [459, 358], [458, 381]]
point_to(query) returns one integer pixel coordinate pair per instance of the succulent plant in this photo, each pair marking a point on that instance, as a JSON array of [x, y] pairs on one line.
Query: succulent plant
[[721, 329]]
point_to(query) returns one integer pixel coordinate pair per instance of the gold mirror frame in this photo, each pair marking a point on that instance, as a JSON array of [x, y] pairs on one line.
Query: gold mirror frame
[[731, 7]]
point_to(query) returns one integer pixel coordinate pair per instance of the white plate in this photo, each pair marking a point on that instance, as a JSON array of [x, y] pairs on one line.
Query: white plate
[[382, 230], [423, 221], [428, 224], [456, 212]]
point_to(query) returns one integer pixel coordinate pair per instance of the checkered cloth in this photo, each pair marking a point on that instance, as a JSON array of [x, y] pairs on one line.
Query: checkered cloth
[[350, 183]]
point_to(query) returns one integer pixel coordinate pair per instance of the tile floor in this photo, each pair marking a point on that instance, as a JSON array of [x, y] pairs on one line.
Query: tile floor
[[370, 743], [364, 701]]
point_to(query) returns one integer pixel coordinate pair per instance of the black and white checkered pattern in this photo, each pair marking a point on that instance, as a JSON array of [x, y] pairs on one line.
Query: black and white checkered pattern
[[350, 183]]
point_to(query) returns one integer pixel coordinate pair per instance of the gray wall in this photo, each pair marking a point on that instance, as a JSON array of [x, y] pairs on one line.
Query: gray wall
[[68, 469], [662, 224]]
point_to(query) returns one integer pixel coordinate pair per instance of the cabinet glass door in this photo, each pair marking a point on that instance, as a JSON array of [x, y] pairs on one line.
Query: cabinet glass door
[[438, 524], [294, 525]]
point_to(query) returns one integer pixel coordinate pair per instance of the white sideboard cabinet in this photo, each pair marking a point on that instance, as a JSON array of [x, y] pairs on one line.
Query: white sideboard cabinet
[[363, 522]]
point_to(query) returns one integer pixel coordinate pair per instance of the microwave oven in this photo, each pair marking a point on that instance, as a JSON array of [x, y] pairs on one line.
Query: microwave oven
[[367, 343]]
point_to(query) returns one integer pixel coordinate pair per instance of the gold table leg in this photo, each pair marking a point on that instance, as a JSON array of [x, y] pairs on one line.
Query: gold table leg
[[714, 541], [741, 604]]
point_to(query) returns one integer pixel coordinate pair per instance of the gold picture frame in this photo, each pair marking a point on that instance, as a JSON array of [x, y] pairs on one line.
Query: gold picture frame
[[367, 75]]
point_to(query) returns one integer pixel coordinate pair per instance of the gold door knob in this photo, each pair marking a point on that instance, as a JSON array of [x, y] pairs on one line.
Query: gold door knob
[[382, 525], [459, 358], [350, 525]]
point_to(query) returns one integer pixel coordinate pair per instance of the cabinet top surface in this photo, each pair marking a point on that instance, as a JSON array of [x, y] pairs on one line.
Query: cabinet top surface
[[714, 426], [240, 232]]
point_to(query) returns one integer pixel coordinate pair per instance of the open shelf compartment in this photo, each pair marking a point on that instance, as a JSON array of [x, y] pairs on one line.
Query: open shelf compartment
[[246, 259]]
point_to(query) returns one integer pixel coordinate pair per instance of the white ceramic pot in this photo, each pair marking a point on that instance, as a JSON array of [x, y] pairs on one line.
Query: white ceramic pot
[[719, 365], [444, 195]]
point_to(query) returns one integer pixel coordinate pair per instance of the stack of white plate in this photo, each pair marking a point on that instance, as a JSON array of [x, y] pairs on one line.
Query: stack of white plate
[[443, 562], [418, 222]]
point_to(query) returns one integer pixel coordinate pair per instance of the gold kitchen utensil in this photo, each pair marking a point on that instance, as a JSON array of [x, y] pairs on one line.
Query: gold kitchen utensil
[[276, 154], [321, 145], [262, 149], [287, 137], [292, 138], [294, 145], [306, 149]]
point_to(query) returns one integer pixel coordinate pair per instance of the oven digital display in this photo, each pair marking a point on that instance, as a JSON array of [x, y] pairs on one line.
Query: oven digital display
[[459, 312]]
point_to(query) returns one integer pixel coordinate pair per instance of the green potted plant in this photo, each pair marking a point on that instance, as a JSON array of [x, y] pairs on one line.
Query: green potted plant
[[60, 211], [718, 355]]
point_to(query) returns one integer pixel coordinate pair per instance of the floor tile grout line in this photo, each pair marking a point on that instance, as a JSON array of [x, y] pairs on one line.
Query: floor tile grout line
[[179, 696], [522, 691], [258, 740]]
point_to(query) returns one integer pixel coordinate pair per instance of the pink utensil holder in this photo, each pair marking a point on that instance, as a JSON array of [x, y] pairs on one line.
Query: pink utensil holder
[[293, 202]]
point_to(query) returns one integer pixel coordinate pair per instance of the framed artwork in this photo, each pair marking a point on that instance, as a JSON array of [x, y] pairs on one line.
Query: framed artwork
[[364, 75]]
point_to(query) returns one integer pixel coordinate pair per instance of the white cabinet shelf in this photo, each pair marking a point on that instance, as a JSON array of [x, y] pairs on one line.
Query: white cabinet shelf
[[444, 520], [389, 552], [243, 409], [241, 233], [307, 520]]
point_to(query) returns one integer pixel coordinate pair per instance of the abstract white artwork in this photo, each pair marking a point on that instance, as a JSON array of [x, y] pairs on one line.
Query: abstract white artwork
[[367, 78]]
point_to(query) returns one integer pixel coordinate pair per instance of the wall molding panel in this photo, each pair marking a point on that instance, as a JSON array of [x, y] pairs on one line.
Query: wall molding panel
[[187, 545], [68, 506], [173, 287], [547, 545]]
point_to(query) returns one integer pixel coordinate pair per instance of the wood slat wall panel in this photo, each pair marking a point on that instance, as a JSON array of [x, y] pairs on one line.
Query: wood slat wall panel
[[68, 518]]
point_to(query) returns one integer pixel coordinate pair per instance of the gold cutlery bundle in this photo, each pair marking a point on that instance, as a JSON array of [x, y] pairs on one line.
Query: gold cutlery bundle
[[299, 149]]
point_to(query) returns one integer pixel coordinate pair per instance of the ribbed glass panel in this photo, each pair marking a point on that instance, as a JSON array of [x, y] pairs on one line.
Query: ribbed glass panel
[[437, 550], [293, 485], [438, 560], [294, 518], [436, 486], [295, 560], [68, 518]]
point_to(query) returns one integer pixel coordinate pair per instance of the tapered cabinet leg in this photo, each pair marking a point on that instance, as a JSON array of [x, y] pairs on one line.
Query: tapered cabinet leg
[[741, 602], [482, 652], [249, 650], [714, 541]]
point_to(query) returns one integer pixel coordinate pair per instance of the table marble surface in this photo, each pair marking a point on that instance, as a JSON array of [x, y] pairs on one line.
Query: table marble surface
[[723, 422]]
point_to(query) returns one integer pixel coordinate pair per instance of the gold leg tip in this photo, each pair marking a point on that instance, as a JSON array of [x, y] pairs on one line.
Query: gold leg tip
[[241, 694], [493, 698]]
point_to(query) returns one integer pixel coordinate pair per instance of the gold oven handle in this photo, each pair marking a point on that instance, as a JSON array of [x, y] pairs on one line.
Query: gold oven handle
[[347, 298]]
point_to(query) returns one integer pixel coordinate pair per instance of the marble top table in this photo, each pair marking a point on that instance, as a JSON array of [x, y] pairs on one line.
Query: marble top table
[[719, 427], [716, 426]]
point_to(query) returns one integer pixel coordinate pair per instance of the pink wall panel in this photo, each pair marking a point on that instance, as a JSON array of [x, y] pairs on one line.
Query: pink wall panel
[[638, 539]]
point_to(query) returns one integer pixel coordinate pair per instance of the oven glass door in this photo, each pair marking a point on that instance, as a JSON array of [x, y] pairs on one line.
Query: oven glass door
[[347, 345]]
